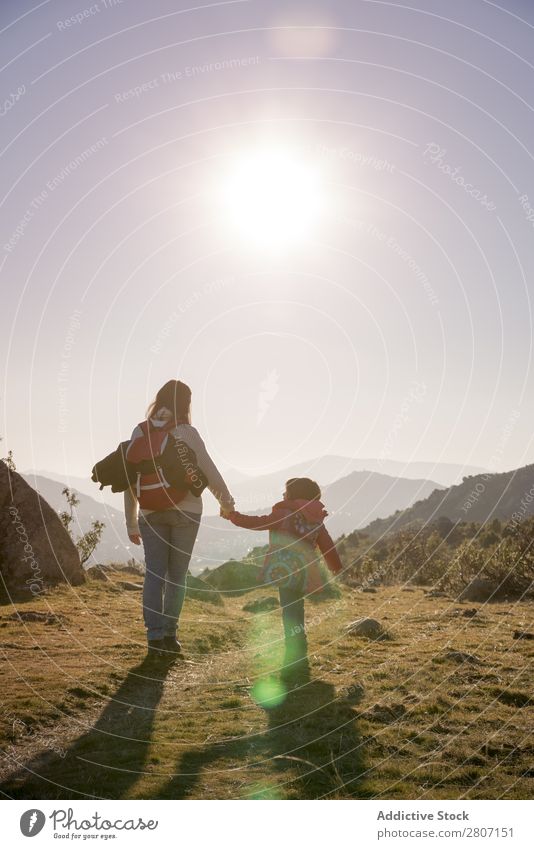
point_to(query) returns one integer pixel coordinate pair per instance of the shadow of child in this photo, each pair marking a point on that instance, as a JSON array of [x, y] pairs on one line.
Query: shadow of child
[[311, 741]]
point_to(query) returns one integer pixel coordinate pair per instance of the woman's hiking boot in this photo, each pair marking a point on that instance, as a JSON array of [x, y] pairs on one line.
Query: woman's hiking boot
[[156, 649], [171, 645]]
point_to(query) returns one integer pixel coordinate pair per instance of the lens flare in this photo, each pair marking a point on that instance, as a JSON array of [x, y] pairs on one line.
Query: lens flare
[[269, 693], [263, 791]]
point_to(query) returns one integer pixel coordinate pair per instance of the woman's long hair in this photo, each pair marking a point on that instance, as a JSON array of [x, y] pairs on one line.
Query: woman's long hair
[[176, 396]]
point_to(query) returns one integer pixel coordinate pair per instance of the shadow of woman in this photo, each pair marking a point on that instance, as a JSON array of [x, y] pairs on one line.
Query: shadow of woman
[[311, 744], [106, 761]]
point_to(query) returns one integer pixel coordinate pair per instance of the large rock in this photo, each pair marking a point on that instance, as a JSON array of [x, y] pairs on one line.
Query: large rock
[[371, 629], [462, 657], [201, 591], [36, 551], [233, 577], [261, 605]]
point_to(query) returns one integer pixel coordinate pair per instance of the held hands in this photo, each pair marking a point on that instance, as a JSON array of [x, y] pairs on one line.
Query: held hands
[[226, 511]]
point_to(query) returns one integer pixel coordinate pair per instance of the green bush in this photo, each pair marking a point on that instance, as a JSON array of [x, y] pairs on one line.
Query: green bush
[[445, 556]]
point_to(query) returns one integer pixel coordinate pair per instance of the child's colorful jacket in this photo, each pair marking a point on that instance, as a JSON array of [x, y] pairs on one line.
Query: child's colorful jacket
[[296, 536]]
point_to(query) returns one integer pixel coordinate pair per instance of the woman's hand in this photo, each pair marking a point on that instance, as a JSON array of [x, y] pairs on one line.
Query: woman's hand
[[225, 512], [135, 538]]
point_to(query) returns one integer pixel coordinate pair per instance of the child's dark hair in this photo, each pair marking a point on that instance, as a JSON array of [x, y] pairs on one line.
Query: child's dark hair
[[303, 488]]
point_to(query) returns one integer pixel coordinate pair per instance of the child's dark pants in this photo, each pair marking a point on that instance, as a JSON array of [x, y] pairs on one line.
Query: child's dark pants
[[292, 604]]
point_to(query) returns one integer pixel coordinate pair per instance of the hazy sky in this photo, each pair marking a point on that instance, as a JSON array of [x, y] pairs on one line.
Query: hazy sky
[[399, 324]]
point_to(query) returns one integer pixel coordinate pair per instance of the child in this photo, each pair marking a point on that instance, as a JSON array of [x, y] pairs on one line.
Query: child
[[296, 531]]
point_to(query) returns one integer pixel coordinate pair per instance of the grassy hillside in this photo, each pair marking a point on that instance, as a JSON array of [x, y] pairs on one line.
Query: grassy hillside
[[479, 498], [440, 709]]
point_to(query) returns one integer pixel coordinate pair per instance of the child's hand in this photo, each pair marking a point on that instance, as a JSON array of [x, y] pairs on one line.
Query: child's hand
[[225, 512]]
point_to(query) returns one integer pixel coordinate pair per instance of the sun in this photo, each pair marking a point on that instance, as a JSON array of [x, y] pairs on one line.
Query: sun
[[270, 198]]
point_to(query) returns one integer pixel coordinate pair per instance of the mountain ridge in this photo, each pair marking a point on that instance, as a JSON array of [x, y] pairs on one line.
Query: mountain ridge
[[326, 468], [479, 498]]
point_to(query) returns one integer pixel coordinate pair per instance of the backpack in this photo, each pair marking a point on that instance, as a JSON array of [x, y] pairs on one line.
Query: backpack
[[165, 468], [288, 559], [114, 470], [284, 568]]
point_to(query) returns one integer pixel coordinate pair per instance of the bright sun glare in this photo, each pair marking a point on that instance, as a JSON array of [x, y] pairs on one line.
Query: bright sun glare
[[271, 199]]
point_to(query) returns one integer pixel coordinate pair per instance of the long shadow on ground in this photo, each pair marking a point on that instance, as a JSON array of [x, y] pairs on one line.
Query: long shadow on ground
[[311, 741], [106, 761]]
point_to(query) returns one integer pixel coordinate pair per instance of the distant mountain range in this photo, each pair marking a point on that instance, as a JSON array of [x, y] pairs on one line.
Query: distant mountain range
[[478, 498], [251, 491], [352, 501], [84, 486], [355, 492]]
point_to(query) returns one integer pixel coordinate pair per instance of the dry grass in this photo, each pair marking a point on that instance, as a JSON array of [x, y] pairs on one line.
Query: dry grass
[[442, 710]]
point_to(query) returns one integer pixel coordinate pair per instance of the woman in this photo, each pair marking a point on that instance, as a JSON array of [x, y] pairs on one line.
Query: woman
[[169, 535]]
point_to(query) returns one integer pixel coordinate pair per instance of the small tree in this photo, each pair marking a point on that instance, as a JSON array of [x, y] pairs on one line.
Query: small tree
[[87, 543], [67, 516], [9, 460]]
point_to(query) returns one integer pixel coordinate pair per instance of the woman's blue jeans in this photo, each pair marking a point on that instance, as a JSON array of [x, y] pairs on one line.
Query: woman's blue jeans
[[168, 539]]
